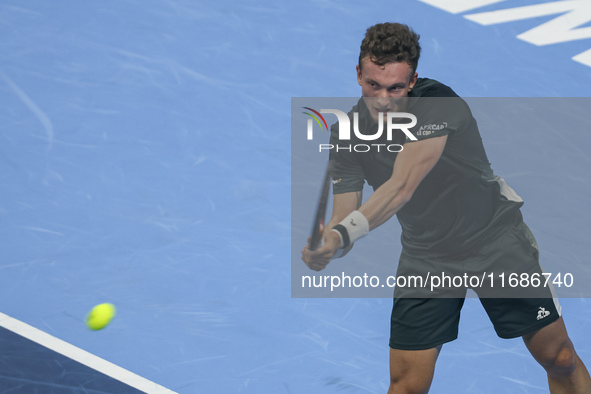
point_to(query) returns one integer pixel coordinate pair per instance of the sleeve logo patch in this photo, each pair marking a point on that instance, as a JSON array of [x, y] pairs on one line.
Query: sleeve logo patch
[[431, 128]]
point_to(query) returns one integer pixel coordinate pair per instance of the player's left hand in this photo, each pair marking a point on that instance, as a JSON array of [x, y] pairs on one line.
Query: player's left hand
[[318, 259]]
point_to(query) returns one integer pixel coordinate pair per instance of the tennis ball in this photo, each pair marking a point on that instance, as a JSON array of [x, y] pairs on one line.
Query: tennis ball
[[100, 316]]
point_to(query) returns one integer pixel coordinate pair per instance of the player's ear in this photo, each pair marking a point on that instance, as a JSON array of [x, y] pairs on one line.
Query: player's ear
[[413, 80], [358, 74]]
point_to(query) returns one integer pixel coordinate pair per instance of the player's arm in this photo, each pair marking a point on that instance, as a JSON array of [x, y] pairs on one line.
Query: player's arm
[[343, 205], [410, 167]]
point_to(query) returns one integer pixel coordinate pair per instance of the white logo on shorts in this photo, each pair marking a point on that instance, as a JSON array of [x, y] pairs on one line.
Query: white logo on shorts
[[542, 313]]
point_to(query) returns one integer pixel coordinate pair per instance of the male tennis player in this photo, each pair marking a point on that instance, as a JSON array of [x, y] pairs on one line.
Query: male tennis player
[[453, 211]]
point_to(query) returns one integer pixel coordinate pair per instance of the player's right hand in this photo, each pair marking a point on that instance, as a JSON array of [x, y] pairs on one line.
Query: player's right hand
[[318, 259]]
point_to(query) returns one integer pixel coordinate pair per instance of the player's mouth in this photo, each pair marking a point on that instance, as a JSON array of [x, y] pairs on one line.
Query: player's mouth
[[384, 110]]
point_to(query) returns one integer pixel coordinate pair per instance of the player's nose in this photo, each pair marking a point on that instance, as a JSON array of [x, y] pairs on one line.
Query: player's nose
[[382, 101]]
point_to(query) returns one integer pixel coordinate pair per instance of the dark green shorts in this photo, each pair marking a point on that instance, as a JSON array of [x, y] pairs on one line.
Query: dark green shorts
[[423, 318]]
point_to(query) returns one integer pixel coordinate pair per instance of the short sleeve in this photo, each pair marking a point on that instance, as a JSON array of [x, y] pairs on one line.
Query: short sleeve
[[348, 175], [436, 116]]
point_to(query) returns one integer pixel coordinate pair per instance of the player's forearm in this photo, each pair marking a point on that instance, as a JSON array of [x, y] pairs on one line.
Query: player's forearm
[[385, 203], [343, 205], [409, 170], [381, 206]]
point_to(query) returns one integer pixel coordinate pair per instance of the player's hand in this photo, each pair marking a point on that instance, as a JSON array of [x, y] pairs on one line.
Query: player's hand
[[318, 259]]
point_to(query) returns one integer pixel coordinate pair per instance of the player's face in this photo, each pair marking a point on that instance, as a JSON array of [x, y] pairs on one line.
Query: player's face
[[384, 87]]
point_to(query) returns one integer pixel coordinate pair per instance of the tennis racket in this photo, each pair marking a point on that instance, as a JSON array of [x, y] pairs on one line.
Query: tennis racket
[[316, 237]]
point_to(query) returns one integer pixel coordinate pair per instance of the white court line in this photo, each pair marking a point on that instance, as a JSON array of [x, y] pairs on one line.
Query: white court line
[[38, 112], [82, 356]]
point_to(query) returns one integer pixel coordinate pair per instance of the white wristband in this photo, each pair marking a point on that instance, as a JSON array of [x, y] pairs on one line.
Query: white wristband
[[352, 228]]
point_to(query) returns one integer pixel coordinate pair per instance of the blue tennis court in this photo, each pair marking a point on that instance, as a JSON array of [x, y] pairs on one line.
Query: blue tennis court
[[145, 161]]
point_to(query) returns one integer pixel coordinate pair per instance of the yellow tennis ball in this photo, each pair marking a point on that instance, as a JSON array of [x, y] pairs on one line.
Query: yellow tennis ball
[[100, 316]]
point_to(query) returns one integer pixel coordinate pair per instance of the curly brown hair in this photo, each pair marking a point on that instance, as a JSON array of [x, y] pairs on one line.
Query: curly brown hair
[[391, 42]]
